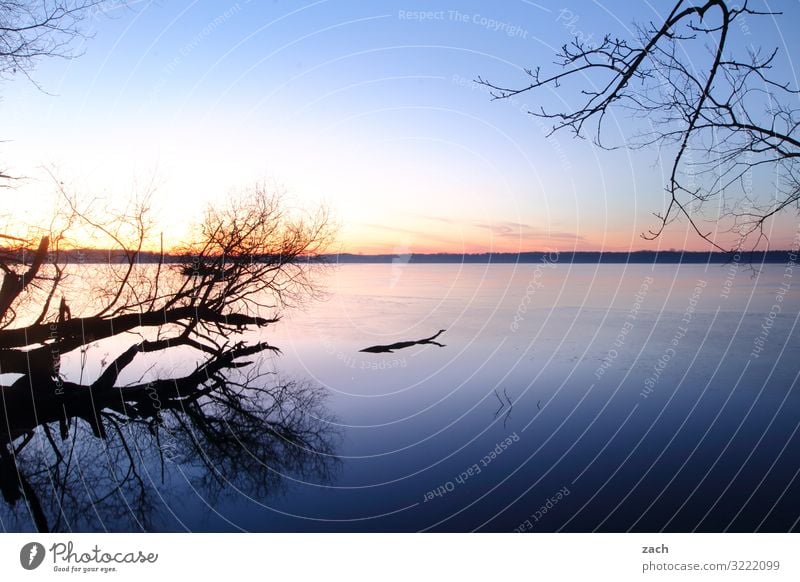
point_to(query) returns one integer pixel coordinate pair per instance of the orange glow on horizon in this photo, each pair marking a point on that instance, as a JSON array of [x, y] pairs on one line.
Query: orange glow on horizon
[[424, 238]]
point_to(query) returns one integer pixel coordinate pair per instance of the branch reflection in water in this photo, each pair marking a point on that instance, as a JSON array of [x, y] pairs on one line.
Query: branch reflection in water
[[90, 443]]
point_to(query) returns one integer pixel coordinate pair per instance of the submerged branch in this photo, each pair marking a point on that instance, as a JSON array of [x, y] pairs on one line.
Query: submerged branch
[[407, 344]]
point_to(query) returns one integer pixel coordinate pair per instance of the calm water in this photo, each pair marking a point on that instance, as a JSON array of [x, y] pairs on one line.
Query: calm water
[[566, 398]]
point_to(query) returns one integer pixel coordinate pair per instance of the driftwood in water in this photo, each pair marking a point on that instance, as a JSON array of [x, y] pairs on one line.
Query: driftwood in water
[[400, 345]]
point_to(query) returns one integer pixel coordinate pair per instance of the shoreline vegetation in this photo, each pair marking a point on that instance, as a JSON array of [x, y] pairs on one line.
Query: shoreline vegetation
[[100, 256]]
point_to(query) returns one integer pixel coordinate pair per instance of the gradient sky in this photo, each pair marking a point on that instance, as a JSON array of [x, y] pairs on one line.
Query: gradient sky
[[355, 104]]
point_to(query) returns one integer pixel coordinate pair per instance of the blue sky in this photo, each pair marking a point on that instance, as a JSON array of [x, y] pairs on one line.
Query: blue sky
[[369, 107]]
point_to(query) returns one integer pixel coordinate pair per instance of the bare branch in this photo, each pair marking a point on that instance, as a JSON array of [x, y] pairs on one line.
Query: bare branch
[[717, 121]]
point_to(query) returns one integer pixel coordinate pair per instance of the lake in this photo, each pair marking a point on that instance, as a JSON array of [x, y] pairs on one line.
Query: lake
[[566, 397]]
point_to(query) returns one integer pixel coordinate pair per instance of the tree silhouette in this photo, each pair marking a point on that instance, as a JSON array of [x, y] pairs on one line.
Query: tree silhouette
[[705, 97], [86, 413], [34, 29], [95, 422]]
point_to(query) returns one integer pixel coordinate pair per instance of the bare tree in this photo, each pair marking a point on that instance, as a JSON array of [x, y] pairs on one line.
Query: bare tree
[[31, 30], [34, 29], [77, 447], [705, 97], [244, 263]]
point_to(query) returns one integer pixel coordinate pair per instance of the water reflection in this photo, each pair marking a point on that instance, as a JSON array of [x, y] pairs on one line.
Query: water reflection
[[93, 456]]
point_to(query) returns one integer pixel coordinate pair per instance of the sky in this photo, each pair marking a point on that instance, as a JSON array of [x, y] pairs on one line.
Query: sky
[[367, 107]]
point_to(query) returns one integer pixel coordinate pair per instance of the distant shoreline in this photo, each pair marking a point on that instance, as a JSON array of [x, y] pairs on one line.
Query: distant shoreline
[[578, 257], [93, 256]]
